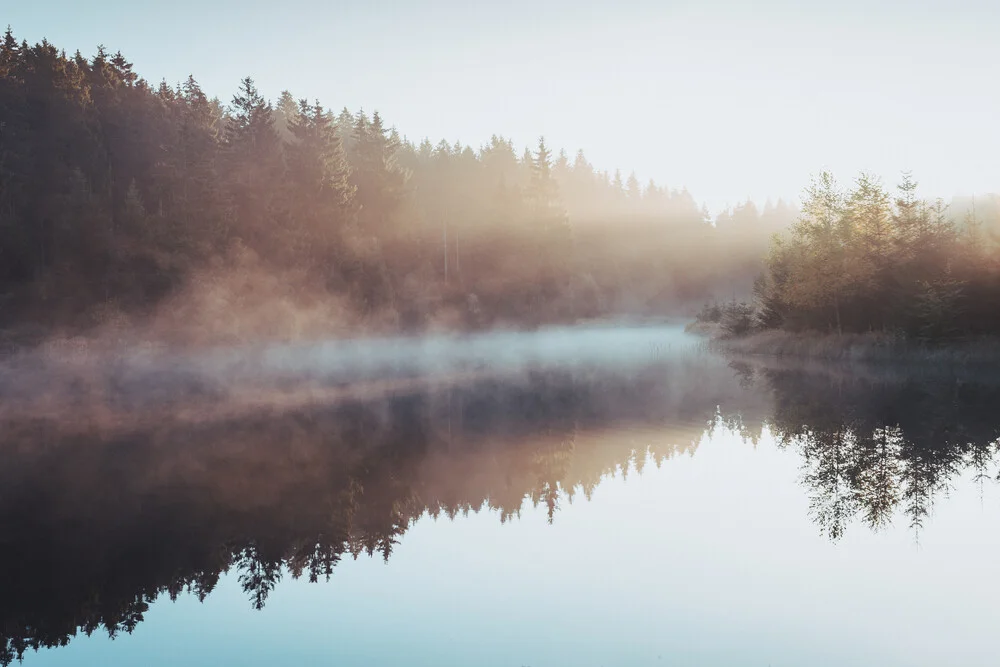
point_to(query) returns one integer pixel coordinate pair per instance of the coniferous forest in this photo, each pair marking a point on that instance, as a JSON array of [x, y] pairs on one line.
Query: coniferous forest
[[124, 202], [251, 336], [865, 260], [129, 206]]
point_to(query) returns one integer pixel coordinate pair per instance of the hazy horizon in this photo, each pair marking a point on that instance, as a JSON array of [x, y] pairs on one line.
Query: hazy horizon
[[278, 387], [728, 102]]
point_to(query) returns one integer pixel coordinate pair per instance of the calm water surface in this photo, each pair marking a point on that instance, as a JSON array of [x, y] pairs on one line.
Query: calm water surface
[[570, 497]]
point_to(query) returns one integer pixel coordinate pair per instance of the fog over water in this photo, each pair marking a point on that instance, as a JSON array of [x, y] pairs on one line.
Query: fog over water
[[436, 334], [662, 502], [52, 379]]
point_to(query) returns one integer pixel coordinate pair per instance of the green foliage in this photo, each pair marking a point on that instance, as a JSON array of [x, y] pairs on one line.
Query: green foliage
[[859, 261]]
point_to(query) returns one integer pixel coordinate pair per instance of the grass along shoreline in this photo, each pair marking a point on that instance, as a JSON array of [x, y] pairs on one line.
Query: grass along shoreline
[[868, 347]]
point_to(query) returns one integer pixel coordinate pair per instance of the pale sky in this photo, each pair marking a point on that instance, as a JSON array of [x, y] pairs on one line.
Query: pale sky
[[732, 100]]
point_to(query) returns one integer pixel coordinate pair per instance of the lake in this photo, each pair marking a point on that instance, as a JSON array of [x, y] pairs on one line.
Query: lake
[[591, 496]]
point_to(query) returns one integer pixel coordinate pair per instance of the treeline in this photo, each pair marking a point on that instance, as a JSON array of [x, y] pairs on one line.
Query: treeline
[[117, 196], [867, 261]]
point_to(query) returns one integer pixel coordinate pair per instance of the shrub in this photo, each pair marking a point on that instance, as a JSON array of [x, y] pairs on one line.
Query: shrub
[[737, 318], [710, 313]]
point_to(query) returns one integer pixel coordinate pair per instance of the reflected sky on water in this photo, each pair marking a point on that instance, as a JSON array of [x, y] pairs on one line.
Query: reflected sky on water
[[692, 510]]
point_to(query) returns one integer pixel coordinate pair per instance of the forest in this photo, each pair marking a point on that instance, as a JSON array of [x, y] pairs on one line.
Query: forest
[[863, 261], [156, 212], [129, 206]]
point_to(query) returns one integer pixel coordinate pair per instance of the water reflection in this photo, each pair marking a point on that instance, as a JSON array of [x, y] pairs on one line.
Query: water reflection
[[102, 521], [877, 442]]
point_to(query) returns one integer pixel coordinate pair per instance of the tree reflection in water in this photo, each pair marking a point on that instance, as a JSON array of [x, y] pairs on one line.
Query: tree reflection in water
[[100, 522], [874, 444]]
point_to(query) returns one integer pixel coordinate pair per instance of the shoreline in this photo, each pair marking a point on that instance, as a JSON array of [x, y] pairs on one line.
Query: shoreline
[[849, 347]]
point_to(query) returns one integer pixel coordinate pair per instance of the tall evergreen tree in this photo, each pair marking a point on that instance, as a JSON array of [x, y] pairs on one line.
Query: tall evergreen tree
[[254, 164], [379, 180], [633, 189], [286, 111], [543, 191]]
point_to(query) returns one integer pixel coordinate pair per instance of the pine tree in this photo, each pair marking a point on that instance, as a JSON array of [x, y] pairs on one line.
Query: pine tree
[[811, 272], [633, 189], [911, 216], [345, 129], [561, 169], [319, 192], [286, 112], [10, 52], [254, 163], [317, 163], [618, 187], [543, 193], [870, 217], [379, 180], [251, 126]]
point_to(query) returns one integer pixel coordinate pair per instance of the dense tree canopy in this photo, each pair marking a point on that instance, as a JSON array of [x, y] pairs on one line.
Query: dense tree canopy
[[866, 261], [118, 196], [123, 203]]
